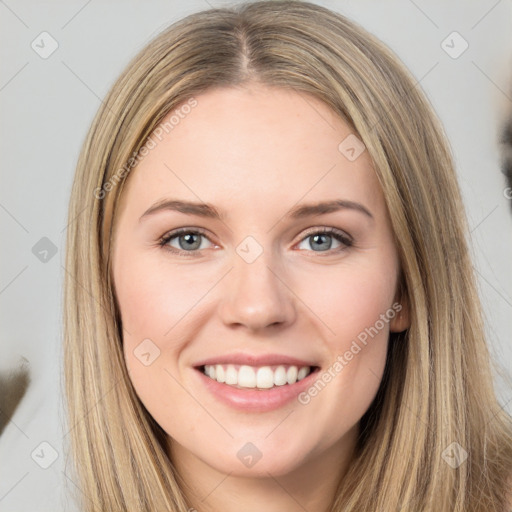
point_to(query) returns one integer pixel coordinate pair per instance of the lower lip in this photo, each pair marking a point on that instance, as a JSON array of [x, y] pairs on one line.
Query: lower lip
[[254, 400]]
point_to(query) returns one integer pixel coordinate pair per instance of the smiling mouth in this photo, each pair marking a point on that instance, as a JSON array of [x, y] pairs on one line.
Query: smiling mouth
[[259, 378]]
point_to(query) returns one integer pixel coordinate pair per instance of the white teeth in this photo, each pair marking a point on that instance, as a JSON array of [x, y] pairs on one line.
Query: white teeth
[[221, 374], [231, 375], [280, 376], [291, 375], [303, 372], [264, 377], [246, 377]]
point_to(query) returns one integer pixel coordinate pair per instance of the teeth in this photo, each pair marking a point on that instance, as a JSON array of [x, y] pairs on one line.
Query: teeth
[[291, 374], [303, 372], [231, 375], [211, 372], [264, 377], [246, 377], [221, 374], [280, 376]]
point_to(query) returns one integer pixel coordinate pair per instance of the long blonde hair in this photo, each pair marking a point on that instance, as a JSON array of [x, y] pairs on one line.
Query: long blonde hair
[[437, 388]]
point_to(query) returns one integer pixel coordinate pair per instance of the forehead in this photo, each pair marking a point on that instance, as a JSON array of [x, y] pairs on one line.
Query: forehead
[[253, 146]]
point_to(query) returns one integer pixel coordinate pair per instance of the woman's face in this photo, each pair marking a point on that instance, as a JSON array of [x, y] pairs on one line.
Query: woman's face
[[250, 287]]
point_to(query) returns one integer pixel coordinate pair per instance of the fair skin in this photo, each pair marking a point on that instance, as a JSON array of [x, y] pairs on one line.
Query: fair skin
[[255, 153]]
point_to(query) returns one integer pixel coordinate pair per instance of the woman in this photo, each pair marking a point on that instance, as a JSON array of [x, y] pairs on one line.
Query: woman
[[269, 302]]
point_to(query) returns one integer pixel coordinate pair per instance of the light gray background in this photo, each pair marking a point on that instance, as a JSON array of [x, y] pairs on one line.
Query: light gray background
[[47, 106]]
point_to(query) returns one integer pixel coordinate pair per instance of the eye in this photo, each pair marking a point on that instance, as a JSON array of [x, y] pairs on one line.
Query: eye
[[184, 241], [321, 240], [189, 242]]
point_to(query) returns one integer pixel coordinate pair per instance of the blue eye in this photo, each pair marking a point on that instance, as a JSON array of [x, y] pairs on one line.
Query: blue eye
[[322, 240], [189, 241]]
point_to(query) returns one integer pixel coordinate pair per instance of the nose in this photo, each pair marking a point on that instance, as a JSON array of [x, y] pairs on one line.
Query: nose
[[256, 296]]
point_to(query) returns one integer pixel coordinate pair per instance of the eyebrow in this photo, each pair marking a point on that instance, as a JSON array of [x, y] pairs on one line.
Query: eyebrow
[[209, 211]]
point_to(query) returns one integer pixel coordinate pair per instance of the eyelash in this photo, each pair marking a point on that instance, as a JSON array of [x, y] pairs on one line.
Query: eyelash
[[340, 236]]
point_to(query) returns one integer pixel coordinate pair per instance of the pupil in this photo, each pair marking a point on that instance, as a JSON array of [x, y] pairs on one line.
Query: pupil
[[189, 241], [324, 244]]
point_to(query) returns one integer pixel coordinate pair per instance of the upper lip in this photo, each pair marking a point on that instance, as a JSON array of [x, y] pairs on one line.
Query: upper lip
[[255, 360]]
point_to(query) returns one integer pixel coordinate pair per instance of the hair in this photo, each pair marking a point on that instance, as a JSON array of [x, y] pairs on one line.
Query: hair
[[437, 387]]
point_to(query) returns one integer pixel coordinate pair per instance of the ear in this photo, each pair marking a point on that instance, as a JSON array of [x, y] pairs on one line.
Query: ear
[[402, 319]]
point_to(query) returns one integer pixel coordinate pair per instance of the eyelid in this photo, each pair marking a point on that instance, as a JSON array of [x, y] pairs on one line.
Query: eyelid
[[176, 232]]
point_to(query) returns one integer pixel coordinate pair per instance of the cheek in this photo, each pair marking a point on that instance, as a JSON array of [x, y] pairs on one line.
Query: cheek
[[351, 299], [356, 306], [155, 298], [159, 309], [154, 303]]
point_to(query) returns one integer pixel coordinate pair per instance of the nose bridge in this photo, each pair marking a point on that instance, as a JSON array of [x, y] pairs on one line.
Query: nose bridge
[[256, 296]]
